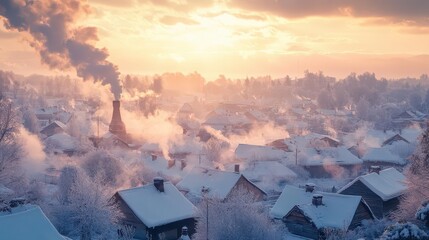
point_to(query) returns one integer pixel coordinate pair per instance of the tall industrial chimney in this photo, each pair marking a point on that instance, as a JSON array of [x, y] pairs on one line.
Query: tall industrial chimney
[[116, 126]]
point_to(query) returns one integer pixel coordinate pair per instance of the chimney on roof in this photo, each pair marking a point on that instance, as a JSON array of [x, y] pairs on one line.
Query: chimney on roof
[[309, 187], [158, 182], [237, 168], [317, 200], [154, 157], [116, 126], [374, 169]]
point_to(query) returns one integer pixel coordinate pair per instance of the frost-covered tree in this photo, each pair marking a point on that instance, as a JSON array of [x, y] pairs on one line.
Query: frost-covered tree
[[416, 100], [73, 127], [30, 121], [213, 150], [423, 213], [101, 164], [236, 219], [404, 231], [417, 178], [157, 85], [326, 100], [10, 151], [369, 229], [89, 212], [362, 109], [66, 181]]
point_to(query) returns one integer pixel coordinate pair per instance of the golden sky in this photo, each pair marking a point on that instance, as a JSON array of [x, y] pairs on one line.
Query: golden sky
[[240, 38]]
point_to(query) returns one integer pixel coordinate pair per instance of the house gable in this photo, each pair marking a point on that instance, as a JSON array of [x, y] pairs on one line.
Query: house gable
[[393, 139], [243, 185], [363, 212], [298, 224], [372, 199]]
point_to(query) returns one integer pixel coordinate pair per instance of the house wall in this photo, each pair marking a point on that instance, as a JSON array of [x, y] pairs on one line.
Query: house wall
[[362, 213], [390, 205], [243, 185], [129, 218], [298, 224], [372, 199], [172, 231]]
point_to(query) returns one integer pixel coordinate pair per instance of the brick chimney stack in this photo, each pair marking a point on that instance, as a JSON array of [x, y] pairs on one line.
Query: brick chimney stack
[[158, 182], [317, 200], [374, 169], [309, 187], [116, 126]]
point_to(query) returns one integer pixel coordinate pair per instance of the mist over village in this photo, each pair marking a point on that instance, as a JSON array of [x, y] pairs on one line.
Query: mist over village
[[214, 120]]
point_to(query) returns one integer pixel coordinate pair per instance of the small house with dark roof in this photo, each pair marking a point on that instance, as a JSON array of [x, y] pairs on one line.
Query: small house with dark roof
[[328, 161], [382, 157], [381, 189], [308, 213], [53, 128], [393, 139], [279, 144], [156, 211], [331, 142]]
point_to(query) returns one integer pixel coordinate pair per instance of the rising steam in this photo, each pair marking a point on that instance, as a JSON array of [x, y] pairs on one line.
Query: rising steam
[[60, 44]]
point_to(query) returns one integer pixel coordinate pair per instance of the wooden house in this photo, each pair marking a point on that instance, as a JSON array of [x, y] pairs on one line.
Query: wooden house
[[279, 144], [309, 213], [216, 184], [329, 161], [407, 118], [381, 189], [393, 139], [382, 157], [331, 142], [156, 211], [53, 128]]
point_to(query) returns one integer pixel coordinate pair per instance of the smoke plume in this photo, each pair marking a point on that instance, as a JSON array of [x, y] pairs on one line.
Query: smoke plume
[[62, 45]]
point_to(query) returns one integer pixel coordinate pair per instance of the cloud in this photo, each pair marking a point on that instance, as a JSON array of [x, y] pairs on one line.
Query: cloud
[[172, 20], [411, 12], [180, 5]]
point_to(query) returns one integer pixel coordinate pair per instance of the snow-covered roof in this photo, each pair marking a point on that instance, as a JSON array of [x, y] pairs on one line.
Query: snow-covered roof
[[58, 123], [268, 174], [382, 155], [388, 184], [61, 141], [272, 169], [28, 223], [257, 115], [305, 140], [217, 183], [337, 210], [257, 152], [156, 208], [323, 156]]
